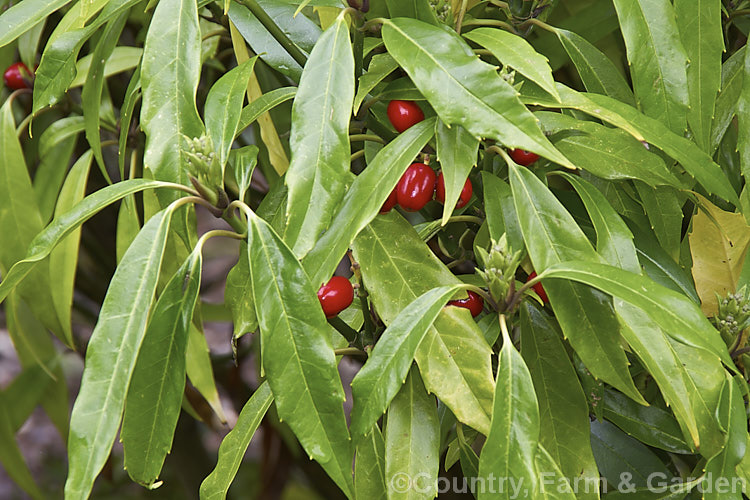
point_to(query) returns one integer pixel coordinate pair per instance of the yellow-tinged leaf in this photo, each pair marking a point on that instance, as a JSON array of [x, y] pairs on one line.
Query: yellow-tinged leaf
[[718, 243], [268, 133], [327, 15]]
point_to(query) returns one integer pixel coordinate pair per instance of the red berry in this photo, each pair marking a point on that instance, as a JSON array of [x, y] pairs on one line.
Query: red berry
[[335, 296], [538, 288], [416, 187], [463, 199], [389, 203], [474, 303], [17, 76], [404, 114], [523, 157]]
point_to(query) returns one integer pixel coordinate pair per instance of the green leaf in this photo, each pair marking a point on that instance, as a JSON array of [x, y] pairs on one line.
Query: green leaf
[[501, 212], [132, 95], [648, 424], [267, 101], [224, 108], [170, 71], [238, 296], [514, 51], [586, 317], [369, 467], [63, 261], [657, 59], [598, 73], [200, 370], [614, 241], [49, 177], [663, 207], [10, 455], [122, 59], [732, 72], [156, 389], [23, 16], [564, 415], [743, 117], [680, 318], [91, 94], [511, 444], [412, 442], [364, 199], [464, 90], [700, 25], [386, 368], [111, 356], [415, 9], [319, 170], [453, 358], [301, 369], [381, 66], [457, 153], [243, 162], [57, 68], [41, 246], [558, 486], [234, 444]]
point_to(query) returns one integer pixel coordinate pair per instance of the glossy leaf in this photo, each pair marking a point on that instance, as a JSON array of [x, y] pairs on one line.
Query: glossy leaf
[[267, 101], [170, 71], [511, 444], [457, 154], [680, 318], [552, 236], [657, 59], [234, 444], [464, 90], [132, 96], [122, 59], [598, 73], [663, 207], [412, 442], [238, 296], [319, 171], [156, 389], [732, 76], [41, 246], [200, 370], [453, 358], [301, 369], [554, 485], [501, 212], [417, 9], [380, 67], [514, 51], [699, 22], [21, 17], [369, 467], [364, 199], [719, 241], [48, 178], [224, 108], [386, 368], [564, 416], [111, 356]]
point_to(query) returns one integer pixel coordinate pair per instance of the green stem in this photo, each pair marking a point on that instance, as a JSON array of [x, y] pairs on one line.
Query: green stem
[[358, 154], [275, 31], [537, 22], [491, 22], [461, 14], [366, 137], [340, 325], [350, 351], [362, 294]]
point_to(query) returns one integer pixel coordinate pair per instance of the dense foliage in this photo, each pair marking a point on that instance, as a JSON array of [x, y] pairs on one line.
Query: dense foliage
[[526, 222]]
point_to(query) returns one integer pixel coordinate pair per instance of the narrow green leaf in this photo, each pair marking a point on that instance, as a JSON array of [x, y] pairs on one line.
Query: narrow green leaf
[[111, 356], [156, 389], [386, 368], [464, 90], [28, 43], [224, 108], [511, 444], [597, 71], [298, 359], [514, 51], [586, 317], [243, 162], [170, 71], [457, 153], [564, 411], [412, 441], [453, 358], [267, 101], [558, 486], [238, 296], [501, 212], [680, 318], [128, 226], [657, 59], [364, 199], [415, 9], [234, 444], [49, 177], [200, 370], [663, 207], [732, 76], [63, 261], [132, 95], [319, 170], [700, 25], [10, 455], [122, 59], [381, 66], [23, 16], [369, 467]]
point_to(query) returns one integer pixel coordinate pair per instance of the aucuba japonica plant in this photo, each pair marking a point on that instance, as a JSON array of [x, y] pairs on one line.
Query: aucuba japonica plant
[[460, 244]]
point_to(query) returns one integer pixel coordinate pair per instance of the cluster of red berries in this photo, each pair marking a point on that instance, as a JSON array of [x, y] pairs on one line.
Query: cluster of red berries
[[18, 76], [418, 185]]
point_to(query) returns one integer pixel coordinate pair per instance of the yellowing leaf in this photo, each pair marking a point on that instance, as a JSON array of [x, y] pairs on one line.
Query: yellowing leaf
[[718, 243]]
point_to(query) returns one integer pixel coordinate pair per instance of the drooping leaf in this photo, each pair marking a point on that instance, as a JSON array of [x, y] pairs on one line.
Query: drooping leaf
[[111, 356], [732, 76], [21, 17], [238, 296], [457, 154], [663, 207], [464, 90], [13, 461], [319, 171], [301, 369], [234, 444], [200, 370], [501, 211], [381, 66], [122, 59], [369, 467], [267, 101]]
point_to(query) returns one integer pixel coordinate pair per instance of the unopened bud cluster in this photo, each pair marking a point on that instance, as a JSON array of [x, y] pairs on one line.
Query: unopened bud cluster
[[733, 315], [203, 165], [442, 9], [500, 266]]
